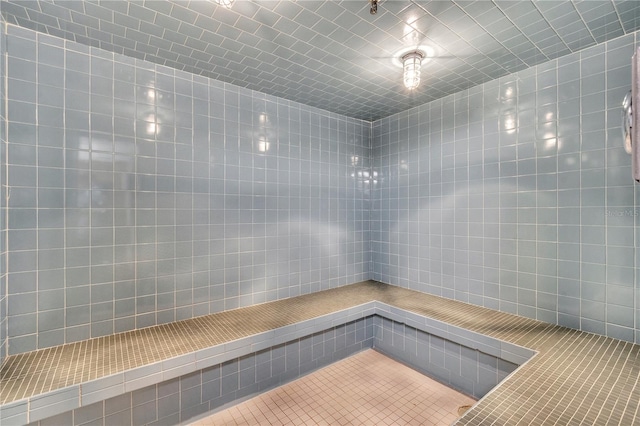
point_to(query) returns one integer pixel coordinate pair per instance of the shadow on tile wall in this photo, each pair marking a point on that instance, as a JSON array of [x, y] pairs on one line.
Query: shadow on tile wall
[[516, 195]]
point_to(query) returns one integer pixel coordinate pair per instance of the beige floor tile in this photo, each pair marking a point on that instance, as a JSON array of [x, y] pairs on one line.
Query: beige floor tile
[[364, 389]]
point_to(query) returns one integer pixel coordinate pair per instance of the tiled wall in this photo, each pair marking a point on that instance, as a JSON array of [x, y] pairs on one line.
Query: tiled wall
[[516, 195], [142, 195], [468, 370], [191, 396], [3, 227]]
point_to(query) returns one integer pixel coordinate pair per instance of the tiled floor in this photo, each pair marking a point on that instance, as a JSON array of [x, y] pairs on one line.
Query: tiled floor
[[367, 389]]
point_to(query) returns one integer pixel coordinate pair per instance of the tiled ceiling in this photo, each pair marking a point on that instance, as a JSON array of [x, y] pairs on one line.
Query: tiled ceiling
[[335, 55]]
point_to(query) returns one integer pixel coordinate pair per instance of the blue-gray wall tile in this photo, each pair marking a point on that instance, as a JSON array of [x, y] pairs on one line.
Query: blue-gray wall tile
[[105, 140], [572, 219]]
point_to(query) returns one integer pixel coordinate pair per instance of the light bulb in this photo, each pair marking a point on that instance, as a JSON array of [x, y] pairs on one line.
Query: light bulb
[[411, 64]]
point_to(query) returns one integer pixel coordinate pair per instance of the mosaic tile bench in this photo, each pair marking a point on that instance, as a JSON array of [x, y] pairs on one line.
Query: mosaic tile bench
[[564, 376]]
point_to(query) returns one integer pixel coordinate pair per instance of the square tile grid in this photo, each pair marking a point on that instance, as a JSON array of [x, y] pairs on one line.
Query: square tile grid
[[326, 54], [592, 373], [366, 388]]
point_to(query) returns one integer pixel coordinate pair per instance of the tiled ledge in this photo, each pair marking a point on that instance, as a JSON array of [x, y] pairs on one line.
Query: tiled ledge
[[47, 404], [571, 368], [470, 339]]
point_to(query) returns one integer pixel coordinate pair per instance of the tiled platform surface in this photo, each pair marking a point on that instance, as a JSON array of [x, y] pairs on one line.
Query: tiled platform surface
[[576, 377]]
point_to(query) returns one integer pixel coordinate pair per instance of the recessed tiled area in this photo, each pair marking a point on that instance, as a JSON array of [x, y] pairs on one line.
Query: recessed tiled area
[[365, 389]]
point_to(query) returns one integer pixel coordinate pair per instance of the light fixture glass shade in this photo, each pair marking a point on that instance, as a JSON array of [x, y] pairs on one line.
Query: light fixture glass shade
[[411, 64], [225, 3]]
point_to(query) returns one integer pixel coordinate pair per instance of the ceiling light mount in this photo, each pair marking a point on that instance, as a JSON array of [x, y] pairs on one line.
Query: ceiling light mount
[[225, 3], [374, 7], [411, 63]]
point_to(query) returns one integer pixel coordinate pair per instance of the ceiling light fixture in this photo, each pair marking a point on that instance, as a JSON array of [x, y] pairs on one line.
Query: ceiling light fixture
[[411, 63], [225, 3]]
